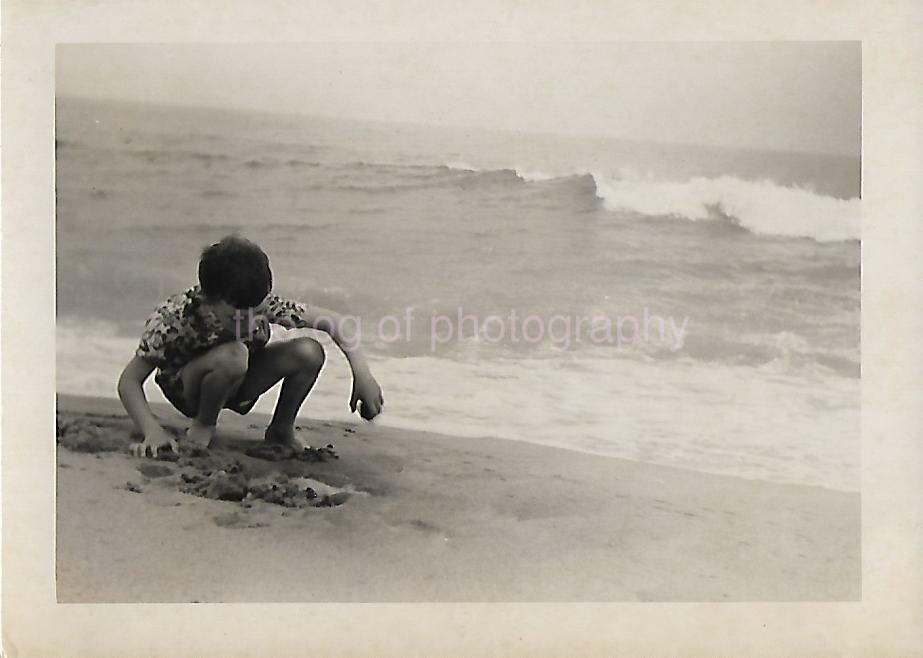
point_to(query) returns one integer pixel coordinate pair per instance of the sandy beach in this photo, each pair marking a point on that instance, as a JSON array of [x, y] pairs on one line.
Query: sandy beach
[[392, 515]]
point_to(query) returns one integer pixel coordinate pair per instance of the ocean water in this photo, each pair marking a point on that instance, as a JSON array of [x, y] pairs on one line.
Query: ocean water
[[729, 279]]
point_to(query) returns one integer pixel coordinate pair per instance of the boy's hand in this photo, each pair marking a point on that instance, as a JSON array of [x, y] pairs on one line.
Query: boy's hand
[[367, 391], [154, 440]]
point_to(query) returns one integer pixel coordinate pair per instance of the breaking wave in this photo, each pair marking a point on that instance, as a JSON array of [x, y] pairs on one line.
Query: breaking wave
[[761, 207], [758, 206]]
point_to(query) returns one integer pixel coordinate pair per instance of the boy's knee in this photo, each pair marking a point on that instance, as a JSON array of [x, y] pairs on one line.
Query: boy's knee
[[231, 359], [308, 353]]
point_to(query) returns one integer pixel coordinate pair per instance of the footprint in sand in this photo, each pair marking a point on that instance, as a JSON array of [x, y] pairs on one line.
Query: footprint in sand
[[237, 520], [424, 526], [154, 470]]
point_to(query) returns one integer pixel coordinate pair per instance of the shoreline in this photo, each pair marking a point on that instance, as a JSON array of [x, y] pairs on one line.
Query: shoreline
[[814, 442], [430, 517]]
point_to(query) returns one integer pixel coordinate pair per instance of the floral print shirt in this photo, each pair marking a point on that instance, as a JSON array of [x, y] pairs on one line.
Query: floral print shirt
[[183, 328]]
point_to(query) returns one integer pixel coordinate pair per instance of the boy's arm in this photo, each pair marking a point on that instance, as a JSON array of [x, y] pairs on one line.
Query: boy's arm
[[131, 393], [365, 389]]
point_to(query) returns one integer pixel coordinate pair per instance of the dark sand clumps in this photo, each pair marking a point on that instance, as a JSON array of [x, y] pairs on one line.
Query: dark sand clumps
[[87, 435], [272, 473], [232, 479], [279, 452]]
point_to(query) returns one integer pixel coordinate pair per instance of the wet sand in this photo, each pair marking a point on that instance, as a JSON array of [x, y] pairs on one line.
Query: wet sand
[[396, 515]]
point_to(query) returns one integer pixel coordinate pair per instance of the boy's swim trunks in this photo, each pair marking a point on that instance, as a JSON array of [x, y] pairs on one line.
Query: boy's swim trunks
[[172, 386]]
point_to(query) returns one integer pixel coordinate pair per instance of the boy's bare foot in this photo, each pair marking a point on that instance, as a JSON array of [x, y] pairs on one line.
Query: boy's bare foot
[[284, 435], [200, 435]]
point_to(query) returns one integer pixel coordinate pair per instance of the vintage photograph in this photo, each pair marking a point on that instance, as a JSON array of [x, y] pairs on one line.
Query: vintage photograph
[[460, 322]]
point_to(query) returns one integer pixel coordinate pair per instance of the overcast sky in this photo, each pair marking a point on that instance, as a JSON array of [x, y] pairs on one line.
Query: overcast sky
[[791, 96]]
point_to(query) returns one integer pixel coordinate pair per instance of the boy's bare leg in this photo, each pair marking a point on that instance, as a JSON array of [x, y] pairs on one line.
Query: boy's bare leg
[[208, 382], [297, 362]]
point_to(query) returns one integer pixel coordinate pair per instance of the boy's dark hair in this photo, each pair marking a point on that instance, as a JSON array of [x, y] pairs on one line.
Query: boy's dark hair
[[236, 271]]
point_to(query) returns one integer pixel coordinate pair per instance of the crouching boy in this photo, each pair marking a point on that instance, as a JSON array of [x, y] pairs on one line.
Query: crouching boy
[[209, 347]]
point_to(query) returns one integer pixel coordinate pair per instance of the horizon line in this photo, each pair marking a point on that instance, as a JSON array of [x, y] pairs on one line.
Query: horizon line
[[339, 118]]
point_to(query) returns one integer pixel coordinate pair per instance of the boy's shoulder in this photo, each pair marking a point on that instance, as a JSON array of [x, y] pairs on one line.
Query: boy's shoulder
[[176, 307], [181, 300], [172, 328]]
